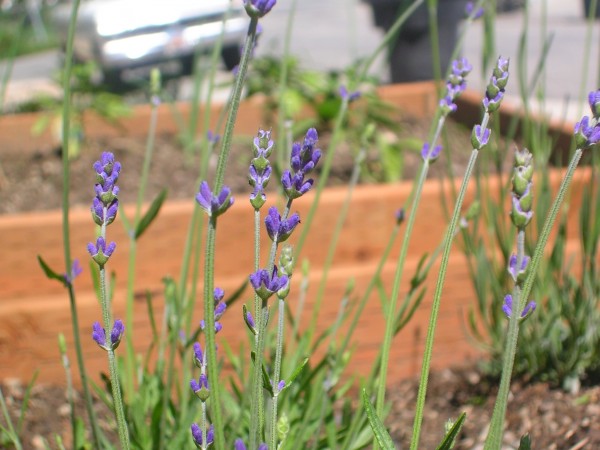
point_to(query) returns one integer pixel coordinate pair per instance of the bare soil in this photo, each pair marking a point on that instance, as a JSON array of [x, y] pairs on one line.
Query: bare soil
[[555, 419]]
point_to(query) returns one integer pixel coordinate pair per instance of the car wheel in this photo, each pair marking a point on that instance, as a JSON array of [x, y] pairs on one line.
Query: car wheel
[[231, 56]]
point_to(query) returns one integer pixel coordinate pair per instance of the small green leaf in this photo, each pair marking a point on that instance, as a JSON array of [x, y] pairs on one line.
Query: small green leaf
[[299, 369], [151, 214], [525, 443], [51, 274], [265, 376], [448, 441], [383, 437]]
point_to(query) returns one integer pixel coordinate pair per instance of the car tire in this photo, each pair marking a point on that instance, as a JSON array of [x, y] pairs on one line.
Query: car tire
[[231, 56]]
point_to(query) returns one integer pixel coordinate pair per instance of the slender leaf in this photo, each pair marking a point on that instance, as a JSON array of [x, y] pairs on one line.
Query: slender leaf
[[150, 214], [525, 443], [51, 274], [381, 434], [448, 441]]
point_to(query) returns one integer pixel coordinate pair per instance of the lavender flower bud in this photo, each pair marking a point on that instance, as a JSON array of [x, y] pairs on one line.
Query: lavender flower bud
[[508, 304], [214, 205], [100, 252], [99, 335], [75, 271], [521, 213], [430, 154], [198, 355], [400, 216], [280, 230], [286, 260], [587, 133], [200, 388], [471, 12], [266, 285], [197, 435], [249, 320], [263, 144], [480, 137], [518, 274], [258, 8], [594, 101], [347, 95]]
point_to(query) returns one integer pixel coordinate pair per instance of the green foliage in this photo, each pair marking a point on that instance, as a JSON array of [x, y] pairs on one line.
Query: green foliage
[[561, 342]]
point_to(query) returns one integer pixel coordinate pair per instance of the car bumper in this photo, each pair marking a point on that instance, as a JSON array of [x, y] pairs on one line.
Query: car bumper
[[169, 44]]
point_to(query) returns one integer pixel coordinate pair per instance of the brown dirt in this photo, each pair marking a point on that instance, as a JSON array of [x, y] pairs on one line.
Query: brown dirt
[[31, 181], [555, 419]]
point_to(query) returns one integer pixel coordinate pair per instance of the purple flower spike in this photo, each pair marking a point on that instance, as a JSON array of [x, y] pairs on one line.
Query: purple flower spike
[[507, 307], [214, 205], [280, 230], [266, 285], [105, 205], [197, 435], [303, 159], [258, 8], [263, 446], [430, 154], [100, 252], [239, 445]]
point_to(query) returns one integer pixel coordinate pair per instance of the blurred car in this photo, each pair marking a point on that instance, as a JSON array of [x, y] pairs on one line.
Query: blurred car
[[127, 38]]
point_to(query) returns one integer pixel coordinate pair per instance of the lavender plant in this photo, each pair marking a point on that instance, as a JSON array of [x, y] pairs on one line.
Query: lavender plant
[[562, 349], [282, 397], [108, 336]]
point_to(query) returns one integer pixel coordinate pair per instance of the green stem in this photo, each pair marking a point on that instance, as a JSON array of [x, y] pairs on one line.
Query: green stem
[[235, 104], [277, 372], [389, 326], [494, 438], [437, 296], [112, 365], [209, 330]]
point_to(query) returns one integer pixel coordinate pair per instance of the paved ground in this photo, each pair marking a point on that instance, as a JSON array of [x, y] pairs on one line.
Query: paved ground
[[331, 34]]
